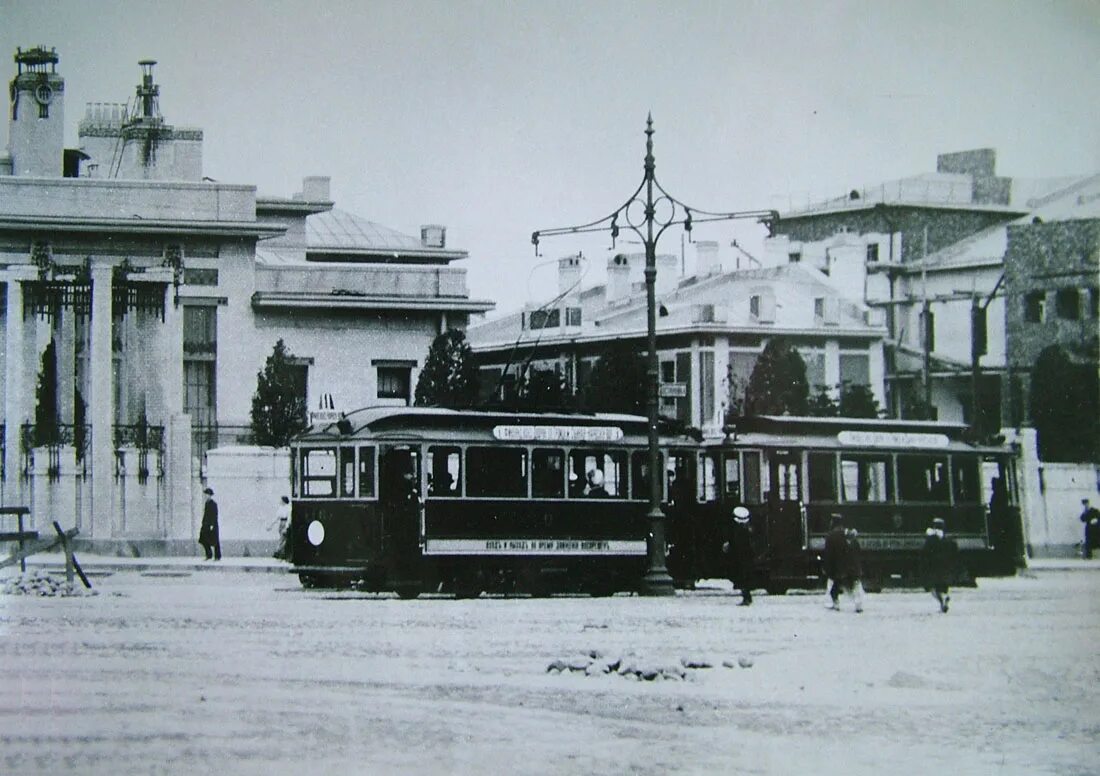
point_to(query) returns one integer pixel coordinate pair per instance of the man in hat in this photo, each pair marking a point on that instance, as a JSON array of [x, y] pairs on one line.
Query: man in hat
[[739, 553], [1090, 516], [833, 558], [208, 531], [939, 558]]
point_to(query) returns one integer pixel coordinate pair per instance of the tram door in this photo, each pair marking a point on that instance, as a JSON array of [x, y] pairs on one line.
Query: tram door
[[399, 497], [784, 497]]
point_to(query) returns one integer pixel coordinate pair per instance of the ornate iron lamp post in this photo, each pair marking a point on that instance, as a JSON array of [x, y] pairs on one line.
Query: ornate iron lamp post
[[649, 226]]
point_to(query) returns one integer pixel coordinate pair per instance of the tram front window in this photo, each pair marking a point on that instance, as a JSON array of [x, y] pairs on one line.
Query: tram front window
[[319, 473], [822, 476]]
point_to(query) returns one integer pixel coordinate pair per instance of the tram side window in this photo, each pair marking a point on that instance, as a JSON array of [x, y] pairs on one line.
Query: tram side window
[[965, 469], [639, 475], [347, 471], [822, 476], [366, 472], [923, 478], [444, 471], [548, 473], [496, 471], [750, 489], [318, 473], [678, 481], [865, 478], [611, 466], [707, 483], [733, 479]]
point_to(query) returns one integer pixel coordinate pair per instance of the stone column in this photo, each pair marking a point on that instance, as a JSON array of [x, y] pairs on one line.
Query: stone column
[[101, 411], [16, 393]]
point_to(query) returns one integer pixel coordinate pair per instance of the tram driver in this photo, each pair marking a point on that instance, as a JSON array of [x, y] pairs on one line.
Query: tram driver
[[595, 487]]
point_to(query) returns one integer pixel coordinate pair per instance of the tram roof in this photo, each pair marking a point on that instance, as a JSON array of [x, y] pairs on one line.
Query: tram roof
[[415, 419], [854, 433]]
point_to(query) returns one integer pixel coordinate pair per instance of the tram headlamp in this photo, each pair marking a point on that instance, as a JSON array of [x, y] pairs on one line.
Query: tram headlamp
[[315, 532]]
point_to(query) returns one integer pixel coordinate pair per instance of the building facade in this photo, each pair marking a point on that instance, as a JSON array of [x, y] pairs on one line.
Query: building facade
[[711, 328], [140, 300], [930, 252]]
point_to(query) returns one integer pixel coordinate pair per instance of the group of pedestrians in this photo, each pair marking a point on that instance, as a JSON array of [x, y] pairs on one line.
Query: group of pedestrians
[[842, 562]]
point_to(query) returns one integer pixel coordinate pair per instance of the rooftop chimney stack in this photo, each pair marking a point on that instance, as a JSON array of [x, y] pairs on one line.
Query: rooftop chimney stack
[[618, 278], [707, 260], [433, 236], [569, 275]]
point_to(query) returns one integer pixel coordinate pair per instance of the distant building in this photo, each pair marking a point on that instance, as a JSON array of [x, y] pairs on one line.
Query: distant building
[[139, 300], [925, 250], [711, 328]]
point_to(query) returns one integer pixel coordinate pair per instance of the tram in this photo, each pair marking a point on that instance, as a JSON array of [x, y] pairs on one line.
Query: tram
[[414, 499], [886, 478]]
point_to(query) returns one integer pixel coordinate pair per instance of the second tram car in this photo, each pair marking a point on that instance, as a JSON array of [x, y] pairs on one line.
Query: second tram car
[[412, 499], [886, 478]]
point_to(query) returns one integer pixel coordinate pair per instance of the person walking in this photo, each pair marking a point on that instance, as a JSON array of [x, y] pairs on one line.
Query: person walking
[[939, 557], [282, 523], [832, 557], [740, 557], [1090, 516], [851, 569], [208, 532]]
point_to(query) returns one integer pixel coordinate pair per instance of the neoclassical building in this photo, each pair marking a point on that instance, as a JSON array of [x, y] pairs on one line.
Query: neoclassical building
[[711, 328], [139, 300]]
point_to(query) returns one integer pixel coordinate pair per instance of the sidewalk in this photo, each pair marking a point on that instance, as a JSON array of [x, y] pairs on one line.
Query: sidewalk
[[91, 563]]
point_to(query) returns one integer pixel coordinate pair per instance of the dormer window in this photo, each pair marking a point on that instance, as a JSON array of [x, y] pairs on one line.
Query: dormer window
[[544, 319]]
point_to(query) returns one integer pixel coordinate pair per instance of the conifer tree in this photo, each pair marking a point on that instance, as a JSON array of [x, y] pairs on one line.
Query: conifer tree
[[778, 383], [278, 407], [449, 377]]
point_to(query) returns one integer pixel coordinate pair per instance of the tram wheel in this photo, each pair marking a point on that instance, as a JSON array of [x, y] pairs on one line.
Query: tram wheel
[[408, 592]]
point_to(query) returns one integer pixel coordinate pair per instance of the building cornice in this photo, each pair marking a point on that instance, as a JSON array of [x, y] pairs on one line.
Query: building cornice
[[10, 223], [312, 301]]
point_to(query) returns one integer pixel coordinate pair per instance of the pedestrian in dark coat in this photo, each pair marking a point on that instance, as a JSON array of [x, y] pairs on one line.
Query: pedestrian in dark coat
[[1090, 516], [208, 532], [851, 569], [832, 557], [740, 556], [939, 558]]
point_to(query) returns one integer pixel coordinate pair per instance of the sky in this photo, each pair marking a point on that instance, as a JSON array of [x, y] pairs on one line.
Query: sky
[[500, 117]]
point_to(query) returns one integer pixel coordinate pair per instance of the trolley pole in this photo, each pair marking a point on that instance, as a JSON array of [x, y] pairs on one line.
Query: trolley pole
[[649, 227]]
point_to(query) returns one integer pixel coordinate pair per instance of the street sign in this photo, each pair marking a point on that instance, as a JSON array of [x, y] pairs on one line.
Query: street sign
[[672, 390]]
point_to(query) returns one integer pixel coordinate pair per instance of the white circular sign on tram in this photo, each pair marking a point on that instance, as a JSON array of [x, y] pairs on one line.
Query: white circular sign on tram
[[315, 533]]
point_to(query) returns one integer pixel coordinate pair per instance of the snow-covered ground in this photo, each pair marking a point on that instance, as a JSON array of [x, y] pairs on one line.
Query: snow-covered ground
[[193, 672]]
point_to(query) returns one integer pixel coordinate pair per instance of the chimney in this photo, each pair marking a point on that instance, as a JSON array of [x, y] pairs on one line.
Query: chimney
[[618, 278], [668, 273], [569, 275], [707, 261], [433, 236], [315, 188]]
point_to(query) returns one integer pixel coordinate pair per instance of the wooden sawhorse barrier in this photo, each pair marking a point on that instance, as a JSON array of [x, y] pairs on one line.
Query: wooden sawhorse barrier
[[31, 544]]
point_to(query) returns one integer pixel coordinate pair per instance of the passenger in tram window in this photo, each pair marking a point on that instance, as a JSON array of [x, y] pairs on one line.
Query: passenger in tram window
[[595, 484], [940, 562]]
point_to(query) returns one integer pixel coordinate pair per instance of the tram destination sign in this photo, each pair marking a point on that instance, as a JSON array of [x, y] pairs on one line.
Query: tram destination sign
[[557, 433], [897, 439]]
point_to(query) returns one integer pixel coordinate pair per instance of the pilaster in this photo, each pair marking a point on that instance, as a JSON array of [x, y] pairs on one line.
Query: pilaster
[[101, 411]]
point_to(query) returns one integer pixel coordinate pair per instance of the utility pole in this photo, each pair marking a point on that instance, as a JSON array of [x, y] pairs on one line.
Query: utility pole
[[639, 214]]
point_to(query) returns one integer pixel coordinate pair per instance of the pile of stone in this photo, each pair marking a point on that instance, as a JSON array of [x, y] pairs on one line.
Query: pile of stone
[[596, 663], [40, 583]]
